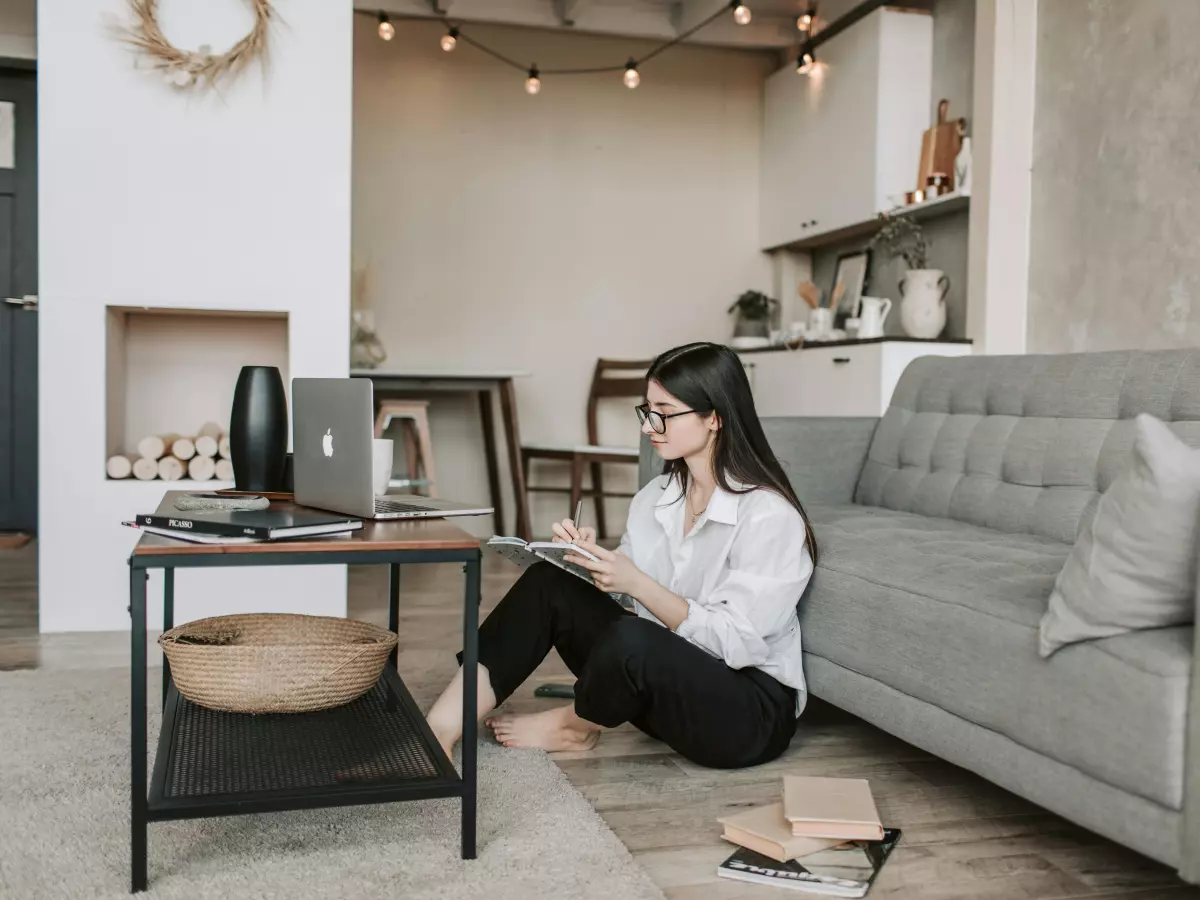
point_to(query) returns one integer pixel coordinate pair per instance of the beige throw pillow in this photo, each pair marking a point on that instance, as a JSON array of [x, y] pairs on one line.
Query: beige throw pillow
[[1134, 566]]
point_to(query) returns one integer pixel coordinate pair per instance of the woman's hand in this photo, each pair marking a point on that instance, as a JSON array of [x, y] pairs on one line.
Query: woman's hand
[[614, 572], [565, 532]]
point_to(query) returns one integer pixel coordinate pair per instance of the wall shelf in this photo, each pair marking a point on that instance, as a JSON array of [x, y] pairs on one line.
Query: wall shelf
[[182, 484], [945, 205], [170, 370]]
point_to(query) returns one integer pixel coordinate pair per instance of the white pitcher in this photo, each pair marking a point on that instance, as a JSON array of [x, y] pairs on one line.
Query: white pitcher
[[873, 314]]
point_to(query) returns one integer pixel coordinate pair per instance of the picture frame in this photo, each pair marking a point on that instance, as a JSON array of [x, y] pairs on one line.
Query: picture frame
[[852, 269]]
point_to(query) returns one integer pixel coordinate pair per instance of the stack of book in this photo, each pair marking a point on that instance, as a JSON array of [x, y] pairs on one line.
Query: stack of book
[[245, 526], [825, 837]]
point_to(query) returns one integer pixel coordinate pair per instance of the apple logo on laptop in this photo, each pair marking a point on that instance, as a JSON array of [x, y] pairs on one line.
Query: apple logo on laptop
[[327, 442]]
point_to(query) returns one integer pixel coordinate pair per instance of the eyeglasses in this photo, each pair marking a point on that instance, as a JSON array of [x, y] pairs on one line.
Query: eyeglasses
[[658, 422]]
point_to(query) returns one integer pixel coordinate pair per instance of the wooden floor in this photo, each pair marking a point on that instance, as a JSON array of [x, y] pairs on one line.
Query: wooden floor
[[963, 837]]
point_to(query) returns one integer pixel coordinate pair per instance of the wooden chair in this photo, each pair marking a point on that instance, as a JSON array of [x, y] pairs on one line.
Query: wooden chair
[[418, 445], [612, 378]]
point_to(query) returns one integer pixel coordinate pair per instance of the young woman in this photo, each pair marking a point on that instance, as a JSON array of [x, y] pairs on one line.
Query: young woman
[[716, 555]]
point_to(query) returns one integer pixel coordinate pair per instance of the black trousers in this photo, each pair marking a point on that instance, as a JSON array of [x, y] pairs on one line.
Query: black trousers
[[631, 669]]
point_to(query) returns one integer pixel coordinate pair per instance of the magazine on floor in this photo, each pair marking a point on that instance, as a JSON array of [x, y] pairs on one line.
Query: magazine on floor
[[847, 870]]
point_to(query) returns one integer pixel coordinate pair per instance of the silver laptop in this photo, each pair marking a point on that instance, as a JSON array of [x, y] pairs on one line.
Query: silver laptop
[[332, 430]]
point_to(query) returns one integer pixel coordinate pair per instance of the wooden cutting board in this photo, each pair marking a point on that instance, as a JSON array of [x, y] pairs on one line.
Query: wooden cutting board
[[939, 145]]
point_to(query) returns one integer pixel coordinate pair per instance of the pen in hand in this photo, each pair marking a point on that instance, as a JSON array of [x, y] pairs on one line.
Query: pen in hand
[[575, 521]]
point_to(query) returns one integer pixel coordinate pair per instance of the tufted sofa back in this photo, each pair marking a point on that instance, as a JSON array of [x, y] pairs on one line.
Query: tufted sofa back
[[1022, 444]]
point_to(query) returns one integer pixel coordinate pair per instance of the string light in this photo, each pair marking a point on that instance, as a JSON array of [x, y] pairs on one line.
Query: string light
[[804, 22], [533, 84], [387, 30], [804, 65], [632, 78]]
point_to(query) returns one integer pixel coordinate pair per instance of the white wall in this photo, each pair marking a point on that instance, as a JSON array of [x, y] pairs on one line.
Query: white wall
[[1006, 36], [151, 197], [539, 233]]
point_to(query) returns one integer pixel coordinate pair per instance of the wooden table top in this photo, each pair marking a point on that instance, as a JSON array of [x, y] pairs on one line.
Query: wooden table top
[[411, 534], [434, 374]]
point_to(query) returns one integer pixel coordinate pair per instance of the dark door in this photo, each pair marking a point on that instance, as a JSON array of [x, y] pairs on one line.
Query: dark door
[[18, 281]]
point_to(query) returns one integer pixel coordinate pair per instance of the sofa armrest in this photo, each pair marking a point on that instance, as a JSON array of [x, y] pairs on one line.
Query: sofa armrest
[[821, 456], [1189, 834]]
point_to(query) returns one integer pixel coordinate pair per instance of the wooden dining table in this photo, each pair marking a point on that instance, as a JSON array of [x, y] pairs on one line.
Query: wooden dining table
[[489, 386]]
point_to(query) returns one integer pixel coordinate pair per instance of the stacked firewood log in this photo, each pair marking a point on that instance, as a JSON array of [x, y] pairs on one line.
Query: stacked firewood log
[[170, 457]]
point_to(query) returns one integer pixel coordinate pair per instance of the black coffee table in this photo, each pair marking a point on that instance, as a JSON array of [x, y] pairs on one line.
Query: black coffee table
[[377, 749]]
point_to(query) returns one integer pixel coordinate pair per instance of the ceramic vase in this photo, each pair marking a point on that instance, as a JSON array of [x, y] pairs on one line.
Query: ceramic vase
[[258, 429], [923, 309], [366, 350]]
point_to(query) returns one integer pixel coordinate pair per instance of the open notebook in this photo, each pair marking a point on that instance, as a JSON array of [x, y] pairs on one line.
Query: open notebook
[[525, 554]]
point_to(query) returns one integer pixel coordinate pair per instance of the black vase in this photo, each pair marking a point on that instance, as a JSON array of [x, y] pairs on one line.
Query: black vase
[[258, 426]]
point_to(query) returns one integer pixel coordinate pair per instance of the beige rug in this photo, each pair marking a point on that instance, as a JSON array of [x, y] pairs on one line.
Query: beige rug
[[64, 823]]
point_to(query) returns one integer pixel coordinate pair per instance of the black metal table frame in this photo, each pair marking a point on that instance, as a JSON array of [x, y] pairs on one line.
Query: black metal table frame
[[143, 811]]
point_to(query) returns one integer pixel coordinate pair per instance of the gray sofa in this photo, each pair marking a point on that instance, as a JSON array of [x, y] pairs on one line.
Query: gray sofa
[[942, 527]]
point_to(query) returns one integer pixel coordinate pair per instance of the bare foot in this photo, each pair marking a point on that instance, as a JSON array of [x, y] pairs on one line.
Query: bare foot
[[445, 716], [554, 729]]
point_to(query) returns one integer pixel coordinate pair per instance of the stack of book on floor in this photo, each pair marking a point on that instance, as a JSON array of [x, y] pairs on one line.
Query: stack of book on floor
[[825, 837], [245, 526]]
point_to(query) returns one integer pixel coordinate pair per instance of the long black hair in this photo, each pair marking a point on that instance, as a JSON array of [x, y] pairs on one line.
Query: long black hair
[[711, 378]]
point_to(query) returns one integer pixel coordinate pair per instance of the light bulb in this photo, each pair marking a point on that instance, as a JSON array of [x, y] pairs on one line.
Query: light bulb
[[804, 22], [741, 14], [387, 30], [450, 40], [632, 78], [804, 64], [533, 84]]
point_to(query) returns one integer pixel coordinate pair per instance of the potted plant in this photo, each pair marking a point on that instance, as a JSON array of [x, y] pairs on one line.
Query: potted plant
[[753, 310], [923, 290]]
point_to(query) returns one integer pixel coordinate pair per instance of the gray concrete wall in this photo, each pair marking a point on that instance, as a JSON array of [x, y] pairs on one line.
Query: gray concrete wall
[[953, 79], [1115, 245]]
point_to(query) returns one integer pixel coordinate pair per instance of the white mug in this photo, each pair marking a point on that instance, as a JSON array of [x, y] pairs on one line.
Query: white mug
[[820, 322], [381, 465]]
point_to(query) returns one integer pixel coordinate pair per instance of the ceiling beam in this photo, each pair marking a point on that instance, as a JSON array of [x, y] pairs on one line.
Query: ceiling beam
[[568, 10], [687, 14]]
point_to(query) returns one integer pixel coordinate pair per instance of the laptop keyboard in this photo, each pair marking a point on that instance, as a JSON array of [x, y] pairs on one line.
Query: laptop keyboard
[[393, 506]]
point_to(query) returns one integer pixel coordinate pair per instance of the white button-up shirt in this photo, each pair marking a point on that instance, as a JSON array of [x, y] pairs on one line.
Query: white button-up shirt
[[742, 569]]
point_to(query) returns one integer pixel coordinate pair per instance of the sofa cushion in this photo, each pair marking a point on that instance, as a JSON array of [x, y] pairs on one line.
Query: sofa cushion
[[1134, 566], [948, 613], [1022, 444]]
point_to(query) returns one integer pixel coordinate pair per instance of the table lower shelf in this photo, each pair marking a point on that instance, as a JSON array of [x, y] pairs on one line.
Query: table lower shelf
[[377, 749]]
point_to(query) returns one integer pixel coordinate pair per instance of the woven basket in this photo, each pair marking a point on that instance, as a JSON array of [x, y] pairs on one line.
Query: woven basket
[[275, 662]]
